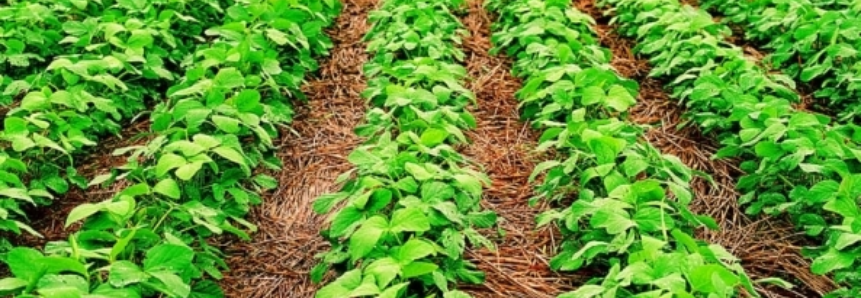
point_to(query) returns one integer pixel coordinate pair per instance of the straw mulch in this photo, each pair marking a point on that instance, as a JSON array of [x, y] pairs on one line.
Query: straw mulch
[[504, 147], [277, 262]]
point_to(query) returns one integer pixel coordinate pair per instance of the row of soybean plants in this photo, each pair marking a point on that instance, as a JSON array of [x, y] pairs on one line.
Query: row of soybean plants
[[196, 178], [625, 205], [813, 45], [73, 72], [796, 162], [410, 206]]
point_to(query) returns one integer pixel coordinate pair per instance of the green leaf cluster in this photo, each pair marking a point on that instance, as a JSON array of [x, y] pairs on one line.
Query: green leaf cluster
[[815, 42], [629, 215], [405, 215], [795, 162], [73, 71], [195, 177]]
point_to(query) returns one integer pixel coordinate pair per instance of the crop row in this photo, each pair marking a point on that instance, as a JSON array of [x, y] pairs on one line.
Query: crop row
[[630, 218], [813, 45], [796, 162], [195, 178], [72, 71], [411, 205]]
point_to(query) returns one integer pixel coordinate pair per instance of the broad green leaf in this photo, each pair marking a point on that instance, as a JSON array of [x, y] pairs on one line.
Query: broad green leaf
[[393, 291], [172, 257], [231, 155], [167, 162], [614, 222], [592, 95], [229, 78], [23, 262], [456, 294], [418, 171], [412, 250], [346, 219], [832, 260], [409, 219], [226, 124], [187, 171], [365, 238], [12, 283], [81, 212], [585, 291], [384, 270], [173, 284], [16, 193], [418, 269], [247, 100], [169, 188], [619, 99], [123, 273], [712, 278], [433, 137]]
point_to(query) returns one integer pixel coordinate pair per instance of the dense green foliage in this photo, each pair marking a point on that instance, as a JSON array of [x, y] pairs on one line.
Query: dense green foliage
[[221, 91], [630, 216], [411, 205], [796, 162], [811, 44], [72, 71]]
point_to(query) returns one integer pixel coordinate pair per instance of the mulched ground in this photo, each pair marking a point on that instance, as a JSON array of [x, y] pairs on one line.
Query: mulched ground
[[277, 262], [504, 146]]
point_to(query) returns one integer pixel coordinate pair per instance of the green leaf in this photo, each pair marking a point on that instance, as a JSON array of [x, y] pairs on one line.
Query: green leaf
[[418, 269], [81, 212], [433, 137], [418, 171], [619, 99], [469, 183], [16, 193], [361, 157], [247, 100], [711, 278], [176, 258], [832, 260], [845, 240], [366, 237], [226, 124], [187, 171], [614, 222], [231, 155], [384, 270], [393, 291], [21, 261], [585, 291], [167, 162], [410, 219], [169, 188], [123, 273], [413, 250], [456, 294], [173, 284], [345, 219], [11, 283], [592, 95], [652, 219], [15, 126], [139, 39], [229, 78]]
